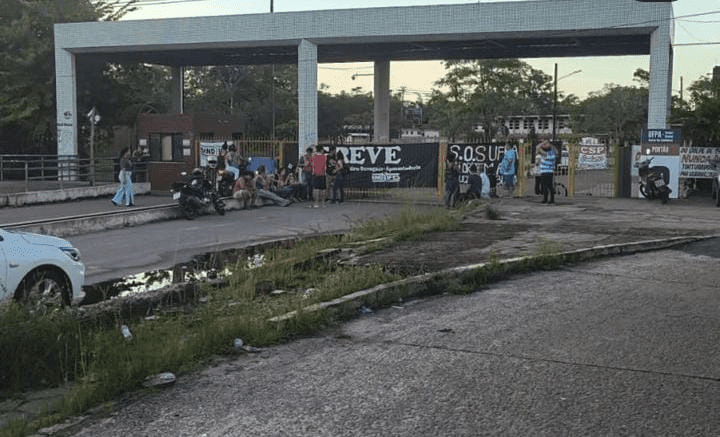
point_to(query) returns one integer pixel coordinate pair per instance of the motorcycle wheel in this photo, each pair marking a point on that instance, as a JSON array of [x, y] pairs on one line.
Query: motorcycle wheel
[[664, 197], [220, 207], [188, 211], [643, 191], [717, 198]]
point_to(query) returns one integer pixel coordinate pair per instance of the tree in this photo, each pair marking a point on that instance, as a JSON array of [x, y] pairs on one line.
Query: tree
[[337, 112], [258, 94], [27, 56], [620, 111], [481, 91], [700, 115]]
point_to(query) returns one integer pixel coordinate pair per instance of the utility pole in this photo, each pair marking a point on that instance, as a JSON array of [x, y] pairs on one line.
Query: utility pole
[[554, 107]]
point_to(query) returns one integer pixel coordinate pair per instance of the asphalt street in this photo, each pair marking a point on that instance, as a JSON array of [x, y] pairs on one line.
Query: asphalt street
[[622, 346]]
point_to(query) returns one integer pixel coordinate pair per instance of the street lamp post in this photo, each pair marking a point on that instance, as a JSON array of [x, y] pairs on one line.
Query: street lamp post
[[94, 118], [554, 105]]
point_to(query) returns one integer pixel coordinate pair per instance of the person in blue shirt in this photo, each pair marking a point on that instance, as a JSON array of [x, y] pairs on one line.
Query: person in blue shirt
[[547, 167], [507, 168]]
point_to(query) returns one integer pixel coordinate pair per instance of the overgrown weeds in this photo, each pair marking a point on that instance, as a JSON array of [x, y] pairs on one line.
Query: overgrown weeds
[[38, 352]]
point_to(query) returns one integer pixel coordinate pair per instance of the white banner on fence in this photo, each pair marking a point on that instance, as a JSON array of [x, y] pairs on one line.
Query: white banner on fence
[[694, 161], [592, 155]]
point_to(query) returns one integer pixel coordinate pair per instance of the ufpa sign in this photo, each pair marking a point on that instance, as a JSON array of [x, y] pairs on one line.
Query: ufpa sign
[[661, 141]]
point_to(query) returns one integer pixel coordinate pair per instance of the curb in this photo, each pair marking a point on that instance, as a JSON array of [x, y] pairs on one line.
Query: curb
[[66, 194], [69, 226], [474, 274]]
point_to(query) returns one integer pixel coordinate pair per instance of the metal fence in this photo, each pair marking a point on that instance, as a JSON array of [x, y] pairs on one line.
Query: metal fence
[[65, 171]]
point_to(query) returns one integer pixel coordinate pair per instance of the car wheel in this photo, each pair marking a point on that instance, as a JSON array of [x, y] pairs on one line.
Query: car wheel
[[45, 288]]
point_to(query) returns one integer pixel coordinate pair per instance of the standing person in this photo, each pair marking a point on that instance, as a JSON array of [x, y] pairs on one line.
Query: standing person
[[221, 156], [452, 179], [507, 169], [307, 172], [341, 171], [125, 193], [547, 167], [319, 161], [232, 162], [331, 171]]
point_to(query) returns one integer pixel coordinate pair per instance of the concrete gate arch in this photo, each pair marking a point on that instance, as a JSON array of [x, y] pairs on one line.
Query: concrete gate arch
[[529, 29]]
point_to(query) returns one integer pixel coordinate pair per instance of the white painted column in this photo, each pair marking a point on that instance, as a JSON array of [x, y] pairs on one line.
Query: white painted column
[[307, 96], [66, 100], [178, 90], [381, 115], [661, 65]]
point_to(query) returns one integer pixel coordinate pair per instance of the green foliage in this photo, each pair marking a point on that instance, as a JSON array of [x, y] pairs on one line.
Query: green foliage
[[618, 110], [479, 91], [700, 114], [254, 92], [27, 56], [37, 351], [410, 224], [344, 109]]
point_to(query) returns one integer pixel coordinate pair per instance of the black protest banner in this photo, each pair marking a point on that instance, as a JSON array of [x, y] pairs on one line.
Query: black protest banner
[[484, 156], [392, 165]]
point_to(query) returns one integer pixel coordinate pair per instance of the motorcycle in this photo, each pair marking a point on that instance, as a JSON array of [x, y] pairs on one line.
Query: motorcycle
[[654, 181], [223, 178], [195, 193]]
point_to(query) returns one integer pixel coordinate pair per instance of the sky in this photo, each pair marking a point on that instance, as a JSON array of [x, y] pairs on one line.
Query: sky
[[696, 46]]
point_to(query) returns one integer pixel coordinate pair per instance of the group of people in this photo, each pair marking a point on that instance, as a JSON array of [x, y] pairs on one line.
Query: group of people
[[323, 179], [478, 181], [324, 175]]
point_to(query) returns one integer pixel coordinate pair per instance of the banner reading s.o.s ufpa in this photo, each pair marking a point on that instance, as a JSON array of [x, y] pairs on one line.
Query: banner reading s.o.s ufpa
[[485, 156], [403, 165]]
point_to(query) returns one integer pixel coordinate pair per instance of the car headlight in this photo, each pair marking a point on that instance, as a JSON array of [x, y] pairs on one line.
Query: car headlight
[[72, 252]]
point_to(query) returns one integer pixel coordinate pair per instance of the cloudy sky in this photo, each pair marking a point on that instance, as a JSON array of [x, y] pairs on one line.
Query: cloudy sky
[[696, 51]]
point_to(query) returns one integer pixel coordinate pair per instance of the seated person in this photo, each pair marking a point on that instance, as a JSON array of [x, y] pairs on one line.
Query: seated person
[[287, 186], [244, 190], [475, 182], [263, 185]]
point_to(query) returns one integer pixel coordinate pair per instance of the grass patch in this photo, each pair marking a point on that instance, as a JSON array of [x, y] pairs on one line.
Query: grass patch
[[56, 348]]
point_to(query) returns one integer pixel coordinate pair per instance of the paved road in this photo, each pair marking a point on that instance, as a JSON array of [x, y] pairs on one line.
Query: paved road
[[625, 346], [114, 253]]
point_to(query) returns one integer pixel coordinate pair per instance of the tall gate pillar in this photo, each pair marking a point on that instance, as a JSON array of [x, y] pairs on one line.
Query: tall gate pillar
[[382, 103], [307, 96], [661, 65]]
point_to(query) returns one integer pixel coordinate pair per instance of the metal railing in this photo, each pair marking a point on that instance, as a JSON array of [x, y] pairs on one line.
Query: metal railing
[[64, 171]]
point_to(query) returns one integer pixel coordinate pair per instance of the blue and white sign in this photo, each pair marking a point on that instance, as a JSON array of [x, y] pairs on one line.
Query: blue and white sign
[[661, 141]]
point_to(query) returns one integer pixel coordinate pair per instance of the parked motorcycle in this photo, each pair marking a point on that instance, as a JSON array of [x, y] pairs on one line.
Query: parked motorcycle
[[715, 164], [194, 193], [654, 180]]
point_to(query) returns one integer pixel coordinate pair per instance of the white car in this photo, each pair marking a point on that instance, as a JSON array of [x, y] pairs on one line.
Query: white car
[[40, 268]]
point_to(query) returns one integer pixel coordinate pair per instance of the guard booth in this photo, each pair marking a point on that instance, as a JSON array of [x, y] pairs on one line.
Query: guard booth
[[170, 141]]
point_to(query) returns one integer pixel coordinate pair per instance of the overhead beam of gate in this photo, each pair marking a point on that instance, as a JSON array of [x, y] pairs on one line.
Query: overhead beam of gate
[[527, 29]]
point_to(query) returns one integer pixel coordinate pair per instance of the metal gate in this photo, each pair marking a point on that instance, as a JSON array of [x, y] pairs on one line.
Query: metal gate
[[582, 170]]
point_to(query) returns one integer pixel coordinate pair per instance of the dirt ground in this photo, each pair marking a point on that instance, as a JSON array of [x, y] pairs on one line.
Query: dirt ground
[[527, 227]]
